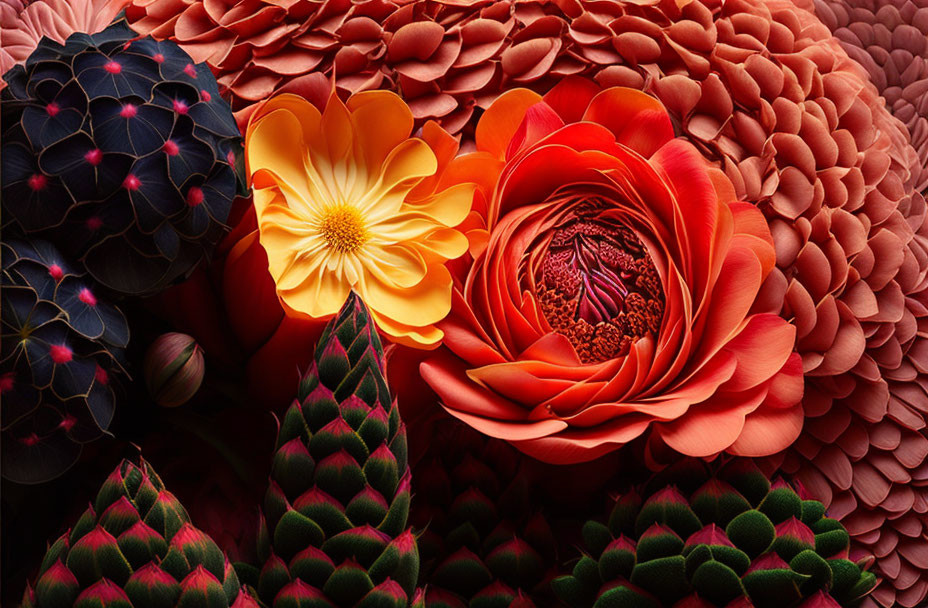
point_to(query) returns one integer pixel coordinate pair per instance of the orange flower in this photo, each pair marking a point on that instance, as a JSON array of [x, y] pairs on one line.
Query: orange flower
[[347, 200], [612, 291]]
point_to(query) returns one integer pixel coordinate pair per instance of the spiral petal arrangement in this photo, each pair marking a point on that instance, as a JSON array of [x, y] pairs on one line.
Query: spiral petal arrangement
[[61, 362], [121, 152]]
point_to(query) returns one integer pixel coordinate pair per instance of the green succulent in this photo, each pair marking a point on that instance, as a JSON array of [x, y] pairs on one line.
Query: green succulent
[[135, 547], [339, 494], [692, 538]]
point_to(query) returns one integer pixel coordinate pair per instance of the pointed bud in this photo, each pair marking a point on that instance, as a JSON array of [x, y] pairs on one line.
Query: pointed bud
[[516, 563], [364, 544], [119, 516], [348, 584], [102, 594], [333, 364], [496, 594], [274, 576], [293, 467], [658, 541], [399, 562], [152, 586], [387, 594], [174, 369], [668, 507], [462, 572], [337, 435], [140, 545], [711, 535], [244, 599], [57, 586], [617, 559], [201, 588], [367, 507], [340, 475], [382, 471], [191, 548], [793, 536], [300, 595], [313, 566], [718, 502], [324, 510], [96, 555], [166, 515]]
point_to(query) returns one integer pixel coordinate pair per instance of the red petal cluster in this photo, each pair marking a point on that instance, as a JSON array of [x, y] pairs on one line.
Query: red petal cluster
[[889, 38], [566, 343]]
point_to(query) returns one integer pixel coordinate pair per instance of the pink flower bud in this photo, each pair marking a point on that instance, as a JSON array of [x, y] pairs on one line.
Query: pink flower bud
[[174, 369]]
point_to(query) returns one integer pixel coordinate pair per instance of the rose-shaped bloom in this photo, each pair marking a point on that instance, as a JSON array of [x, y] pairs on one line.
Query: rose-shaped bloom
[[25, 22], [347, 200], [614, 292]]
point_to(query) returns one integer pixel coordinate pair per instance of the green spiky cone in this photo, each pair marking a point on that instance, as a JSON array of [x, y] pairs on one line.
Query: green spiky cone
[[339, 492], [692, 539], [484, 543], [135, 547]]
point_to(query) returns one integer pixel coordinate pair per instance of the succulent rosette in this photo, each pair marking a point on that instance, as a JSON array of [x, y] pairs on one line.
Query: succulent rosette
[[614, 291], [693, 538], [60, 364], [339, 490], [135, 546], [121, 152]]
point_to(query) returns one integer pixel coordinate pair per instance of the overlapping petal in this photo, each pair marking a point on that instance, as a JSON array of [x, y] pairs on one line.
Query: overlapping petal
[[709, 363], [336, 211]]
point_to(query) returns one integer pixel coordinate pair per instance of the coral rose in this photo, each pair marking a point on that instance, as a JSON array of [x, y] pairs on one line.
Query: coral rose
[[612, 291]]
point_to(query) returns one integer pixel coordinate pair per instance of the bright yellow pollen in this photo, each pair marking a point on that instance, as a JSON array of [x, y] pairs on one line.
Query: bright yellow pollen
[[342, 227]]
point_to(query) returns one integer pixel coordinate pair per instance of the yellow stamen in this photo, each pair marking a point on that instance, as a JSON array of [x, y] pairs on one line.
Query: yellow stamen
[[342, 227]]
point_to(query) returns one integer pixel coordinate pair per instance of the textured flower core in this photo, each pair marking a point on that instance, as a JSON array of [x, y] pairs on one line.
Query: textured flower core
[[343, 229], [599, 286]]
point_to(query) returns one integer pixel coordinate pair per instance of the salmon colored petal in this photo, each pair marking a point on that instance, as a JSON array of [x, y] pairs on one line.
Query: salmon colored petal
[[502, 119], [768, 431], [570, 98], [711, 427], [638, 121], [763, 348], [576, 446]]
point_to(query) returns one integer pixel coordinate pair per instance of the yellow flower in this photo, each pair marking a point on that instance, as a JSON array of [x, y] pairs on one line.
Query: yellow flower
[[347, 200]]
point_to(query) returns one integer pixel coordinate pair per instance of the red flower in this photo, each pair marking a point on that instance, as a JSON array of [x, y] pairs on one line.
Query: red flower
[[613, 290]]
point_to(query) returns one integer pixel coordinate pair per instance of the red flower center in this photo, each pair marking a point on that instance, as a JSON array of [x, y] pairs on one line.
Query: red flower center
[[598, 285], [60, 353]]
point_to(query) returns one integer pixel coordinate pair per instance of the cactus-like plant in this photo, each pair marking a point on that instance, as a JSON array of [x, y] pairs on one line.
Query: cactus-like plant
[[692, 539], [134, 546], [339, 493]]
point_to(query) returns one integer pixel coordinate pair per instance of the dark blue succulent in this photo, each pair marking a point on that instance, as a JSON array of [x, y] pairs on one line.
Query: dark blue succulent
[[61, 358], [120, 151]]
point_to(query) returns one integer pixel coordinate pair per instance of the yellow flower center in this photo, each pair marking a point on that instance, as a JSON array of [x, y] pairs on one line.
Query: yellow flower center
[[342, 227]]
